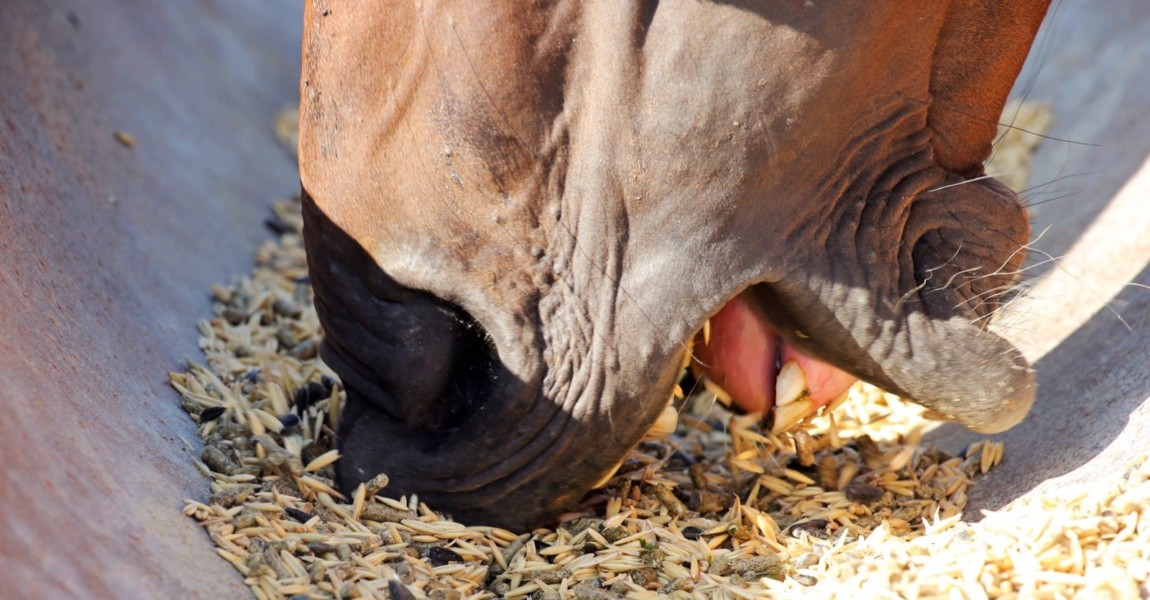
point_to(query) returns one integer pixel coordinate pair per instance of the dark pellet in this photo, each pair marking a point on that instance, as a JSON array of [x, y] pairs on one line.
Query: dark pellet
[[306, 350], [692, 533], [233, 316], [320, 548], [439, 556], [863, 492], [289, 421], [299, 515], [211, 413], [309, 394]]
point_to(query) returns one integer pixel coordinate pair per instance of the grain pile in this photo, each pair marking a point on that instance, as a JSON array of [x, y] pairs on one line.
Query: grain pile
[[850, 500], [850, 503], [1020, 130]]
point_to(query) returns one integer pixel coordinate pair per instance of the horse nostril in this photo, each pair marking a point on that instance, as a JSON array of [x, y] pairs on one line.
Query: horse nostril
[[473, 371], [431, 369], [933, 271], [958, 275]]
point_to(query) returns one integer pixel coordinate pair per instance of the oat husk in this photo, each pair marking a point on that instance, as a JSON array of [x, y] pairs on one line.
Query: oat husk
[[849, 505]]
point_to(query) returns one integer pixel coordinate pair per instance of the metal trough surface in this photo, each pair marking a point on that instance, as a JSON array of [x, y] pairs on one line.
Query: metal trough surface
[[107, 253]]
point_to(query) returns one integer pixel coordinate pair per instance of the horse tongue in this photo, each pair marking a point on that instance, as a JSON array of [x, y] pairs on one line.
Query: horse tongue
[[743, 355]]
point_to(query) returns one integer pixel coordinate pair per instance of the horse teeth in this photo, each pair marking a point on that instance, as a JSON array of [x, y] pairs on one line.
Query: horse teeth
[[788, 416], [791, 384], [664, 425]]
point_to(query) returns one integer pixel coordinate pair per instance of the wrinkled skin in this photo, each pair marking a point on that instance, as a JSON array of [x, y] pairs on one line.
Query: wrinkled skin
[[517, 216]]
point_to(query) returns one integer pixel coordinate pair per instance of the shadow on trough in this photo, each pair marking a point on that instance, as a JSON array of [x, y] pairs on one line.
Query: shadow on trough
[[1087, 422]]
